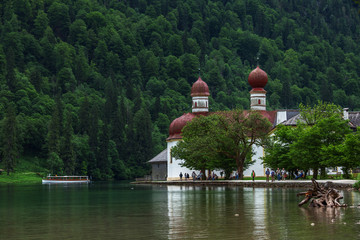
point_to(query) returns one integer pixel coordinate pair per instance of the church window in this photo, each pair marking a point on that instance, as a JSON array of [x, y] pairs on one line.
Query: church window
[[195, 104], [259, 101], [170, 156]]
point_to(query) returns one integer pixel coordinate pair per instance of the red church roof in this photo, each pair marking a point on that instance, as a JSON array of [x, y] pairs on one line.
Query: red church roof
[[257, 79], [200, 88], [177, 125]]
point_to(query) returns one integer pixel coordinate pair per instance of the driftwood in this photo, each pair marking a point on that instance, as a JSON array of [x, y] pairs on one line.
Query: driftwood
[[325, 196]]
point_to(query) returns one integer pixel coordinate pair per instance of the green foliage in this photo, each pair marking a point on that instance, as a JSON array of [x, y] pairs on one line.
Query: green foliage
[[198, 146], [322, 110], [222, 141], [55, 164], [321, 139], [10, 139], [357, 185], [21, 177], [151, 51]]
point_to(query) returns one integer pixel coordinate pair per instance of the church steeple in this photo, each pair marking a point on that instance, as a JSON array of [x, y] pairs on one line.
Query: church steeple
[[257, 80], [200, 96]]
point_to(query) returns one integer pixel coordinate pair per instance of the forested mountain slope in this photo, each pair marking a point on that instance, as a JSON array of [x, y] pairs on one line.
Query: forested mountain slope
[[93, 85]]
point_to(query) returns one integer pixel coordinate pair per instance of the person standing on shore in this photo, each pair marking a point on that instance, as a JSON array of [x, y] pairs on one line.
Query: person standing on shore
[[180, 175], [267, 173], [272, 175], [253, 175], [283, 172], [193, 175], [278, 174]]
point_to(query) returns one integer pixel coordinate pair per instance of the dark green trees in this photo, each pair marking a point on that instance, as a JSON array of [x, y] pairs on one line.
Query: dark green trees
[[10, 136], [106, 60]]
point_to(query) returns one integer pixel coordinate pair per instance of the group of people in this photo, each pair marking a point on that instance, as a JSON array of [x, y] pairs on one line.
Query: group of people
[[278, 174], [281, 174], [195, 176], [186, 176]]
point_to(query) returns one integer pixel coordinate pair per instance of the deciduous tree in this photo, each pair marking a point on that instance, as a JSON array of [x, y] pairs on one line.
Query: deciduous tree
[[230, 135]]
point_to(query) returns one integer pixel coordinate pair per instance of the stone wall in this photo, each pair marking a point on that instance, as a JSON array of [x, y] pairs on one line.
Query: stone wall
[[259, 184]]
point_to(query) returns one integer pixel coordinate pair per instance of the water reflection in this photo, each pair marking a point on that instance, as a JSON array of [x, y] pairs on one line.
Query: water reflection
[[253, 213], [209, 212], [124, 211], [260, 213], [323, 215]]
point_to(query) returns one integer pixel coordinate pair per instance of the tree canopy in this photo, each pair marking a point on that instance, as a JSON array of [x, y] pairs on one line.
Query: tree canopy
[[223, 140], [118, 71], [319, 140]]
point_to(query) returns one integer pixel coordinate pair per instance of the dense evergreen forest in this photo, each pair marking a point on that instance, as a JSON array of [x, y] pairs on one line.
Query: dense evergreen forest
[[91, 86]]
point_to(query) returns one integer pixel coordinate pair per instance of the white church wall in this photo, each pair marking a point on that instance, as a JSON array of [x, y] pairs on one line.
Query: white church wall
[[174, 168], [258, 167]]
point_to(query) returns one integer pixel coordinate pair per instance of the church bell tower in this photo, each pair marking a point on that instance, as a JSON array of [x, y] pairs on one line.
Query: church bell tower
[[257, 80]]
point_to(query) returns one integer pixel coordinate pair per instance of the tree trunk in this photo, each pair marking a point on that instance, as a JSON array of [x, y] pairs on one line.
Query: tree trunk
[[321, 196], [315, 173], [346, 172], [240, 166], [323, 173], [241, 172], [203, 171]]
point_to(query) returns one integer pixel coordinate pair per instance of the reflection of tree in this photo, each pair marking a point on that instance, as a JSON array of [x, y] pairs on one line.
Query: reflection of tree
[[322, 215]]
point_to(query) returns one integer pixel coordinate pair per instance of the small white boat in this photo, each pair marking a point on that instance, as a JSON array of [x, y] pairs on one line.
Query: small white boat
[[66, 179]]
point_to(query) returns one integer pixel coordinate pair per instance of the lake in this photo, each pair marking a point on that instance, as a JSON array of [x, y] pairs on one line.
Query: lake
[[118, 210]]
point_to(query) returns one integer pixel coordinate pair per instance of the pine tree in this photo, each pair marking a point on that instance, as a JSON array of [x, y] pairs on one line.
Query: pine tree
[[67, 149], [143, 139], [10, 139], [94, 127], [53, 138], [111, 105], [10, 69], [84, 116], [104, 163]]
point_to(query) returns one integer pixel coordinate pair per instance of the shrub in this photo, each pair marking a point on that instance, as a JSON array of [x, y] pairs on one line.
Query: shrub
[[357, 185]]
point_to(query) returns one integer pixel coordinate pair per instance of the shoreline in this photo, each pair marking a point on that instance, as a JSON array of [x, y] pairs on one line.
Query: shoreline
[[339, 184]]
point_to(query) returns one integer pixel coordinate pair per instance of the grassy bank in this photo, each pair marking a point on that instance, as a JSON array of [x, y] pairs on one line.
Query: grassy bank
[[27, 170], [20, 177]]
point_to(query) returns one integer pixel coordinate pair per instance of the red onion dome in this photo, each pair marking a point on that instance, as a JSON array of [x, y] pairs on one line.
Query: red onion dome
[[177, 125], [200, 88], [257, 78]]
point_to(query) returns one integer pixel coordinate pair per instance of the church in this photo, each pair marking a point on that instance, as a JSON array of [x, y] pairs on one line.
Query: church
[[166, 167]]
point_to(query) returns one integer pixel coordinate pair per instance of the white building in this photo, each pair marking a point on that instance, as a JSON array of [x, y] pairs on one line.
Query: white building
[[200, 106]]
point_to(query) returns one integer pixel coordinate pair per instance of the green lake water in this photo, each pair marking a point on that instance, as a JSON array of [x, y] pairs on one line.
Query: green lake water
[[125, 211]]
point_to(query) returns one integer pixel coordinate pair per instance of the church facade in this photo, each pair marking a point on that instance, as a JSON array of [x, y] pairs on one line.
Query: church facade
[[200, 106]]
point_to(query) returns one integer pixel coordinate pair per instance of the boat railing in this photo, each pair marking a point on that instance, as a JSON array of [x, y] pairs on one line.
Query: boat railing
[[67, 177]]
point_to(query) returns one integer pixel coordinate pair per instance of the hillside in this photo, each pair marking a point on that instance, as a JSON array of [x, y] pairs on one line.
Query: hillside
[[93, 85]]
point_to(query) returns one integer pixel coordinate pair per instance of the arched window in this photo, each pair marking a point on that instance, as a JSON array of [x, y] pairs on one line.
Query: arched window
[[259, 101], [195, 104]]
